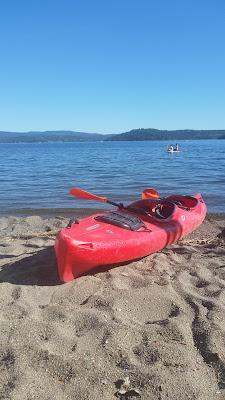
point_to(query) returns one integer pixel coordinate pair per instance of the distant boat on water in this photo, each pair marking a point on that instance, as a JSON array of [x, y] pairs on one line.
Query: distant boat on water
[[173, 149]]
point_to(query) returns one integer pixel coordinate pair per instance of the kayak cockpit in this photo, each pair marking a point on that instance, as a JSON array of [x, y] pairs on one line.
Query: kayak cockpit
[[158, 208], [163, 209]]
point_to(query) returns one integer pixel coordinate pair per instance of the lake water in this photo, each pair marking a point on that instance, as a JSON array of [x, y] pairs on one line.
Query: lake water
[[39, 175]]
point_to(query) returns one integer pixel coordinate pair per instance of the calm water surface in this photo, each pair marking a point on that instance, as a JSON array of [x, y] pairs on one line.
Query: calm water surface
[[39, 175]]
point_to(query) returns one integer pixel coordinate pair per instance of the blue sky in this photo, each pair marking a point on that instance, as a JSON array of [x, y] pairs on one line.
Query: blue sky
[[110, 66]]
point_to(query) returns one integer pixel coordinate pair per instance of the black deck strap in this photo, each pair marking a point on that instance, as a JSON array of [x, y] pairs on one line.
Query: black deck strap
[[122, 219]]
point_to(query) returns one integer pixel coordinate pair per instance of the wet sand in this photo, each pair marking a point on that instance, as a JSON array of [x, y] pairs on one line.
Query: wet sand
[[153, 329]]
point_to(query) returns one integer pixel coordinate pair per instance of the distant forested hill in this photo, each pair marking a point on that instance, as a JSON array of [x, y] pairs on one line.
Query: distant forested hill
[[156, 134], [48, 136], [135, 134]]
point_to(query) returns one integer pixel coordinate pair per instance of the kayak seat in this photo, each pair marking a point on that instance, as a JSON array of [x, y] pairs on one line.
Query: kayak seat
[[163, 211], [160, 209]]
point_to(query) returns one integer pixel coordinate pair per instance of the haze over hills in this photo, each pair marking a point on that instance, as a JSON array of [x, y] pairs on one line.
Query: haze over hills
[[133, 135]]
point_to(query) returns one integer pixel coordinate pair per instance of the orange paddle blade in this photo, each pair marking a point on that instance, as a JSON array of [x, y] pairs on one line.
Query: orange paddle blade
[[150, 193], [83, 194]]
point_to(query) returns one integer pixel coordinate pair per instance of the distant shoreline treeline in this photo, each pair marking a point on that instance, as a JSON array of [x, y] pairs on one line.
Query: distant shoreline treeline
[[133, 135]]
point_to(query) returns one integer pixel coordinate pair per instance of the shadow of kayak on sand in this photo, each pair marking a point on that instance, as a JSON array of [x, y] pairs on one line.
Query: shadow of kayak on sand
[[38, 269]]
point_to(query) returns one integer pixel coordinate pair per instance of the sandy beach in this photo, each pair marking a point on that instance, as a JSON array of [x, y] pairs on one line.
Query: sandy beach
[[153, 329]]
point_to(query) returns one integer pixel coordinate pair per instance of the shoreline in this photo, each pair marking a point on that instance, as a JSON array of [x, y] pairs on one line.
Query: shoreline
[[69, 212], [52, 212]]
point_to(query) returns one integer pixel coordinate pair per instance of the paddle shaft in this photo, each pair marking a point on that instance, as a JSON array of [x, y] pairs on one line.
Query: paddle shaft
[[119, 205]]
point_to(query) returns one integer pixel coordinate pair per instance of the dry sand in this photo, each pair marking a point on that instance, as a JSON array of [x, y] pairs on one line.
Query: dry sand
[[153, 329]]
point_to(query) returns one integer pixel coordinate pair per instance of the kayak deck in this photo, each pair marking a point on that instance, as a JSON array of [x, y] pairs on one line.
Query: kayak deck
[[93, 242]]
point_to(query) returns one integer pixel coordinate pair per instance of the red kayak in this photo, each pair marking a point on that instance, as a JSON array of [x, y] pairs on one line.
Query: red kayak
[[129, 233]]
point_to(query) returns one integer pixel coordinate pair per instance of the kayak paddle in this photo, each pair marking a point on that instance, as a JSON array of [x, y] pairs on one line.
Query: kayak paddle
[[150, 193], [83, 194]]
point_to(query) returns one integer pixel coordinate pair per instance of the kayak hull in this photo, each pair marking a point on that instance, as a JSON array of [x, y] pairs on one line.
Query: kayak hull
[[92, 243]]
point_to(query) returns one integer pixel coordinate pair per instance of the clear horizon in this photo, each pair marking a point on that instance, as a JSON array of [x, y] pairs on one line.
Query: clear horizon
[[105, 133], [112, 67]]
